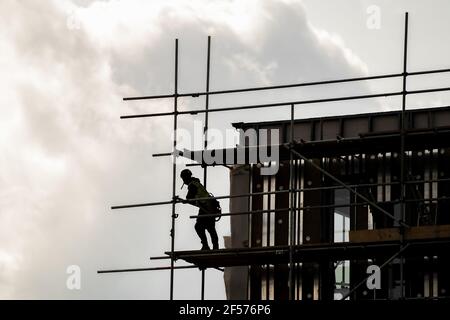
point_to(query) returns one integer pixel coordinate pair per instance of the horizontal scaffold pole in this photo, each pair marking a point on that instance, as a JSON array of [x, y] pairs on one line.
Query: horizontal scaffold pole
[[323, 206], [152, 269], [145, 269], [336, 187], [285, 104], [284, 86]]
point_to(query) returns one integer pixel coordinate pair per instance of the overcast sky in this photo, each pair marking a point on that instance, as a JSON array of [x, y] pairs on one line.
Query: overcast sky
[[66, 157]]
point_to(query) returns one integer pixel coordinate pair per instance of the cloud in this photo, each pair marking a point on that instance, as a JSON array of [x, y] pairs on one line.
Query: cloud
[[66, 155]]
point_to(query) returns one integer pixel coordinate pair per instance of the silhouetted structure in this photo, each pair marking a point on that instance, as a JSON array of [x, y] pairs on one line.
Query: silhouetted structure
[[351, 191]]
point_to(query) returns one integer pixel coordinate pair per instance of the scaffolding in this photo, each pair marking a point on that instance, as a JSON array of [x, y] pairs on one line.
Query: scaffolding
[[290, 253]]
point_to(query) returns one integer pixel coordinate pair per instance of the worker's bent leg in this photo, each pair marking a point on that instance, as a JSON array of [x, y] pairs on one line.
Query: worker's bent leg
[[214, 238], [200, 228]]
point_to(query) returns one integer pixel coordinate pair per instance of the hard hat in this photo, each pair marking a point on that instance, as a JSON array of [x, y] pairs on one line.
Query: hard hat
[[186, 173]]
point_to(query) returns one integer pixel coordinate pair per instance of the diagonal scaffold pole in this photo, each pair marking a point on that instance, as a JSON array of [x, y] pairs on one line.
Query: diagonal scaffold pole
[[352, 190], [402, 249]]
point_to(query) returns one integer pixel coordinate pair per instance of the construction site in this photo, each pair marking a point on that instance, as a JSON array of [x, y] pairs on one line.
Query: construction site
[[355, 198]]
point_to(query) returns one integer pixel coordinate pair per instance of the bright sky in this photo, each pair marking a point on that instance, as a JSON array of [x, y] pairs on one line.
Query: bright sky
[[67, 157]]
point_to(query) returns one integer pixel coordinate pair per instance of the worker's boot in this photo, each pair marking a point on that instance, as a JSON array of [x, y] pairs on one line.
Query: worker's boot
[[215, 246], [205, 246]]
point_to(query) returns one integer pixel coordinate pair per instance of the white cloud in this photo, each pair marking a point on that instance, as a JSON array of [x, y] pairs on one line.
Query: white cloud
[[334, 44], [66, 156]]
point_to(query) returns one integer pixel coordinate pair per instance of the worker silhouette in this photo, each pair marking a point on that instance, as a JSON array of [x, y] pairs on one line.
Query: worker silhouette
[[206, 206]]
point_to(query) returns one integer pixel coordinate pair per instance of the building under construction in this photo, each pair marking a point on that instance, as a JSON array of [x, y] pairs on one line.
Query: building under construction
[[351, 192], [337, 235]]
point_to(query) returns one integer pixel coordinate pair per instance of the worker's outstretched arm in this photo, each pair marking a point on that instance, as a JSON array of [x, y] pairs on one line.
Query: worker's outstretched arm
[[178, 199]]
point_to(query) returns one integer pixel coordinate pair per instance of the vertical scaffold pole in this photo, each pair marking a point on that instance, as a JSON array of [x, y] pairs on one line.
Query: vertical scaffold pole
[[402, 151], [205, 131], [292, 214], [174, 172]]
